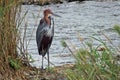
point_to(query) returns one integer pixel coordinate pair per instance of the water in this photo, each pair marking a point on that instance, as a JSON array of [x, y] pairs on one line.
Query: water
[[88, 18]]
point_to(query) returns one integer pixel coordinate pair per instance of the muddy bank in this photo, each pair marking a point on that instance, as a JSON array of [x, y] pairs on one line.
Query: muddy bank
[[33, 73], [56, 73]]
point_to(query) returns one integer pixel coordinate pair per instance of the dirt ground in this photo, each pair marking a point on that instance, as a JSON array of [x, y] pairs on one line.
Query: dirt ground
[[55, 73]]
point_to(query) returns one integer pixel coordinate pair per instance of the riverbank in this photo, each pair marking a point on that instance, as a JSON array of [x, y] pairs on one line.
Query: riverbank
[[56, 73], [47, 2]]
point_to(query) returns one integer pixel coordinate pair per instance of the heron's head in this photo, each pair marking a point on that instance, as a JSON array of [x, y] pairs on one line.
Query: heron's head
[[48, 13]]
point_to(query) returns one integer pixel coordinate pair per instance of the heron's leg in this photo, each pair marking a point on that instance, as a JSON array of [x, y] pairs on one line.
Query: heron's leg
[[42, 62], [48, 59]]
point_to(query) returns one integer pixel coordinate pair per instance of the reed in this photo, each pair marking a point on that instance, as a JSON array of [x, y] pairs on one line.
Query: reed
[[9, 59], [117, 29], [95, 63], [8, 29]]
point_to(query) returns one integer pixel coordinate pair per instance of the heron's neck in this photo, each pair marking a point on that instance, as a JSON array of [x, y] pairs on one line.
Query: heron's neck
[[47, 20]]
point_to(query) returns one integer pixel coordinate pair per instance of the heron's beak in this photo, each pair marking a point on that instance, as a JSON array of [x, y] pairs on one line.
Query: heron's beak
[[56, 15]]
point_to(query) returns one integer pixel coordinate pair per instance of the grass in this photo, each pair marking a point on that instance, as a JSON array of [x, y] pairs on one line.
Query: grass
[[117, 29], [8, 39], [8, 30], [95, 63], [12, 56]]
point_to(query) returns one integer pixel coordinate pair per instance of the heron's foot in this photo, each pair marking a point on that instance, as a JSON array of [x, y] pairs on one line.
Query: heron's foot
[[42, 67], [42, 70]]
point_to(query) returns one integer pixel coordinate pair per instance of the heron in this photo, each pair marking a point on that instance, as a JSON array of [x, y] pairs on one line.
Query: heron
[[45, 34]]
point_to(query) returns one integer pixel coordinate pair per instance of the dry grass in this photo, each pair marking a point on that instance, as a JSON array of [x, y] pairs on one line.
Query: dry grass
[[11, 65]]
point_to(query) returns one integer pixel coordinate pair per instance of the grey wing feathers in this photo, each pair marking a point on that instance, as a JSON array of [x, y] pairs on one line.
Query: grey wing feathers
[[39, 33], [39, 36]]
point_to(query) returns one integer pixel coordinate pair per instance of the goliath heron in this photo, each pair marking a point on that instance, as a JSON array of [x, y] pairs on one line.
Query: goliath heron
[[45, 33]]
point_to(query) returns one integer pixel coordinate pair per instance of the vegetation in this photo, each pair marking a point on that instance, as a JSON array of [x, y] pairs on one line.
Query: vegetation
[[8, 39], [117, 29], [96, 63], [12, 56]]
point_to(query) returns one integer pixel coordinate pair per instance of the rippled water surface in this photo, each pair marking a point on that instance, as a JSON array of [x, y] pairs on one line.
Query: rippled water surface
[[88, 18]]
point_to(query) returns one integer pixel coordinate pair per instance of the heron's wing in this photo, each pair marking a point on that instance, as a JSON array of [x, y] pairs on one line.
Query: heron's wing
[[40, 32], [50, 43], [39, 37]]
